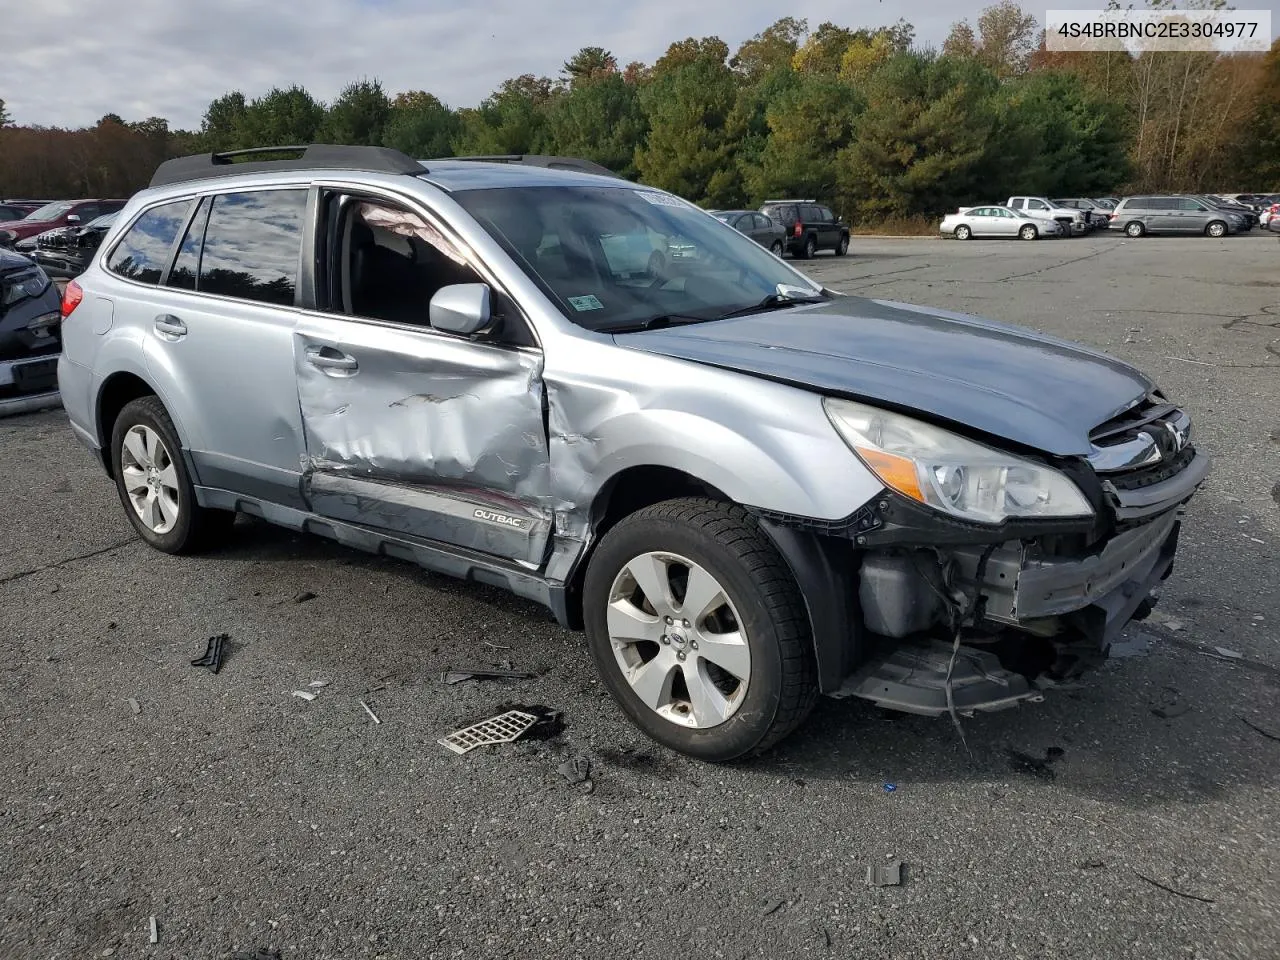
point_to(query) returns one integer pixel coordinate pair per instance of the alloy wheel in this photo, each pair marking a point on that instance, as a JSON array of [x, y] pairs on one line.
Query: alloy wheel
[[150, 479], [678, 641]]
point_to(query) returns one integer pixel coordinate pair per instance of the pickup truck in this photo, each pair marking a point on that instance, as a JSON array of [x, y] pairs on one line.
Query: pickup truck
[[1073, 221]]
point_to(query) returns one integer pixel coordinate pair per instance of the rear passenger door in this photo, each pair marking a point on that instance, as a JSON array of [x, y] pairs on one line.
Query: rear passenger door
[[219, 334], [411, 430]]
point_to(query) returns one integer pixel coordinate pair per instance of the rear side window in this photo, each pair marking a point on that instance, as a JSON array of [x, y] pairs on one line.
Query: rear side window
[[781, 212], [827, 214], [144, 251], [253, 245]]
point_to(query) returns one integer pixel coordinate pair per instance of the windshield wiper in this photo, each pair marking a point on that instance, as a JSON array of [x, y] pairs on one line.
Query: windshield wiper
[[662, 320], [774, 301]]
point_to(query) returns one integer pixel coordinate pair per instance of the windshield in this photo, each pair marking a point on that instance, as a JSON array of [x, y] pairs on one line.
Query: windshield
[[614, 258], [50, 211], [102, 221]]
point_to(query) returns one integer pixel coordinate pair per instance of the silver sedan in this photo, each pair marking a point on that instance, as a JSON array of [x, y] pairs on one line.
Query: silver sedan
[[997, 222]]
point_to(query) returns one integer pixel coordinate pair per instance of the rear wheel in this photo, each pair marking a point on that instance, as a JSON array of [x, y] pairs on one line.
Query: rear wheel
[[810, 248], [1216, 229], [1135, 229], [963, 232], [1029, 232], [152, 481], [843, 247], [698, 629]]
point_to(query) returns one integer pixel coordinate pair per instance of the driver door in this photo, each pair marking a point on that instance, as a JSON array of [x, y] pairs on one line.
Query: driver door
[[421, 433]]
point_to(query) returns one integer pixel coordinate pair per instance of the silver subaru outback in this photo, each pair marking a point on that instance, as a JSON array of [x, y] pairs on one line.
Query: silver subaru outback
[[524, 371]]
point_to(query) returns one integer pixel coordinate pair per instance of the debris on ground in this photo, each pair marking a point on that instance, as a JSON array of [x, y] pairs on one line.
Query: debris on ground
[[550, 722], [1169, 711], [484, 673], [304, 596], [1090, 865], [318, 684], [369, 710], [1201, 363], [1257, 729], [133, 705], [1222, 653], [1041, 768], [306, 695], [576, 770], [772, 907], [155, 932], [1167, 889], [504, 728], [885, 874], [214, 652], [890, 787], [262, 953]]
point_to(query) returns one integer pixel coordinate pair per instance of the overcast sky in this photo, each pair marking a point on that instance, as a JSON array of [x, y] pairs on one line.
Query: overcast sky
[[68, 62]]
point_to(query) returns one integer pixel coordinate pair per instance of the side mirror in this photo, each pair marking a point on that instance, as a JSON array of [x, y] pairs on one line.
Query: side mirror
[[462, 308], [73, 219]]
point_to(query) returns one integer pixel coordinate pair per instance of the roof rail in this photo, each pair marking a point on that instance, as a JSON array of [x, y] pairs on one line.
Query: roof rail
[[540, 160], [792, 200], [315, 156]]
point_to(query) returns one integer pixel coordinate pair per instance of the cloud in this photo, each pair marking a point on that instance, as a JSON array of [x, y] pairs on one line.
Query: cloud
[[68, 63]]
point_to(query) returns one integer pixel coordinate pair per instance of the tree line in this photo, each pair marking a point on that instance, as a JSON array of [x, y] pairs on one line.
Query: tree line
[[861, 118]]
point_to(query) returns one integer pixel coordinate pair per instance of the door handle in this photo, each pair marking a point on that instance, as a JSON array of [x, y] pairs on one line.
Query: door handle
[[170, 327], [327, 358]]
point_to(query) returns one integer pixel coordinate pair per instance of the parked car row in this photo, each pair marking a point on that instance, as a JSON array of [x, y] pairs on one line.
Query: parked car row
[[66, 252], [30, 334], [799, 227], [53, 216]]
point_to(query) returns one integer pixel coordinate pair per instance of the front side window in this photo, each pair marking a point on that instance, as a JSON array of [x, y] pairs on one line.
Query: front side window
[[827, 215], [615, 258], [1036, 205], [143, 251], [253, 245], [1186, 203]]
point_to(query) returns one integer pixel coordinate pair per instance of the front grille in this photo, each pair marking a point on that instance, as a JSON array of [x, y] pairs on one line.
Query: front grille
[[1146, 476]]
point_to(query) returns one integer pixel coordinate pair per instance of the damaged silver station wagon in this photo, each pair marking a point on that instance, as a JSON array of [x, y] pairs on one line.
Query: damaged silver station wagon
[[528, 372]]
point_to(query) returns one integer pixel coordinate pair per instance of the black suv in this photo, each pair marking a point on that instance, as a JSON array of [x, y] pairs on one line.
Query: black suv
[[809, 226]]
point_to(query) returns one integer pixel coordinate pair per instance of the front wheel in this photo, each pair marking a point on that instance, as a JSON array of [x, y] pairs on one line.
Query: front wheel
[[843, 247], [1216, 229], [1135, 229], [152, 481], [698, 629], [1029, 232], [963, 232], [776, 248]]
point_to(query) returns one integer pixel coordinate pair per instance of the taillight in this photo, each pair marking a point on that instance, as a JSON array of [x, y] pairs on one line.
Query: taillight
[[799, 229], [71, 298]]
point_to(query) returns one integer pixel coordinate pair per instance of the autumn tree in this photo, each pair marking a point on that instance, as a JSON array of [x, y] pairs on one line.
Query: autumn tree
[[589, 63], [1261, 142], [509, 121], [771, 48], [4, 115], [809, 123], [421, 126], [1005, 39], [281, 118], [224, 122], [598, 119]]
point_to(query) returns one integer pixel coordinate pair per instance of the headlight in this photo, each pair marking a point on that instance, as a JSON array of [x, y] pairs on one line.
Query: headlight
[[949, 473]]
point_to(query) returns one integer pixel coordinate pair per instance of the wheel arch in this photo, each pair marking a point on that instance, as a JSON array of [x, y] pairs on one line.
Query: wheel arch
[[117, 390]]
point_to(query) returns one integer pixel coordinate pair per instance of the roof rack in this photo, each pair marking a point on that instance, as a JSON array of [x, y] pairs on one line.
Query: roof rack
[[315, 156], [540, 160], [792, 200]]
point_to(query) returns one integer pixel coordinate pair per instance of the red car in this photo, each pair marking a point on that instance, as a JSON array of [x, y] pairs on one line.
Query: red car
[[51, 216]]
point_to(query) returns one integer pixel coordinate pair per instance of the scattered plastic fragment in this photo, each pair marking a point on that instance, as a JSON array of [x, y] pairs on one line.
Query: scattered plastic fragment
[[484, 673], [1257, 729], [576, 770], [1091, 865], [1176, 893], [1229, 654], [305, 695], [1201, 363], [155, 932], [885, 874], [318, 683], [503, 728], [304, 597], [369, 710], [890, 787], [213, 653], [494, 646], [772, 907], [1040, 768], [133, 705]]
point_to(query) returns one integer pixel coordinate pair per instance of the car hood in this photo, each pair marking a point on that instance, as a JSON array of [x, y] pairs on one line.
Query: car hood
[[12, 261], [1006, 381]]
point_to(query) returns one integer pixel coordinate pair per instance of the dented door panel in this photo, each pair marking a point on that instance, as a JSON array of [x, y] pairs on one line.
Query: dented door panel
[[429, 435]]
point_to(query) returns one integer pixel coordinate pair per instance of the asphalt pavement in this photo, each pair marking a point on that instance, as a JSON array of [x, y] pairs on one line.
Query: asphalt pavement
[[1133, 817]]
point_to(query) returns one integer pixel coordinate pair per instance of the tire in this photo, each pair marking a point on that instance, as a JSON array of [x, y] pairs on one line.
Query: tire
[[776, 249], [774, 685], [810, 248], [1067, 230], [1029, 232], [1216, 229], [166, 494], [1135, 229], [963, 232], [843, 247]]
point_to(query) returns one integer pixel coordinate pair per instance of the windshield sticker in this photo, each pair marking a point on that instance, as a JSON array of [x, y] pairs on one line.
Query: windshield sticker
[[660, 199], [589, 302]]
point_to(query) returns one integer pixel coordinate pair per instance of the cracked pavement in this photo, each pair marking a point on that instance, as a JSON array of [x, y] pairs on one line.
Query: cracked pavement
[[242, 817]]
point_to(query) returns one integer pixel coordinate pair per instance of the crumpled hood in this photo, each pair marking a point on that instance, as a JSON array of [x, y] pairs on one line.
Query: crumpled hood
[[1006, 381]]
